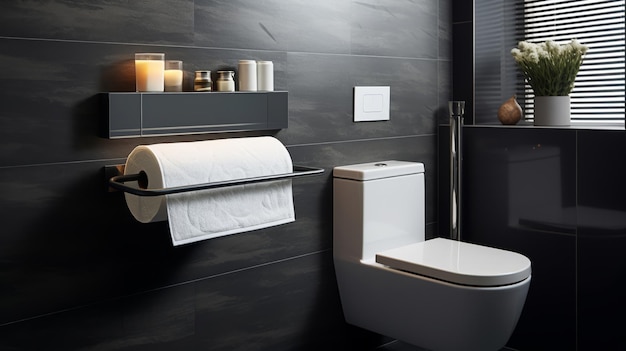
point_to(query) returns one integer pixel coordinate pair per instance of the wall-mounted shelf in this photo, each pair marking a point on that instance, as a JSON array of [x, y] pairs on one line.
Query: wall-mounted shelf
[[155, 114]]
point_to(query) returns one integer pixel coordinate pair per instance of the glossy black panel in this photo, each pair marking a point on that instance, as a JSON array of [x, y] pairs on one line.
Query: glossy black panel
[[554, 195], [601, 174], [443, 184], [602, 240], [520, 178], [548, 321], [519, 194], [462, 10]]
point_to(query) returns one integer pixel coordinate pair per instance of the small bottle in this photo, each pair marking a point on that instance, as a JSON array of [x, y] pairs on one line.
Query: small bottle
[[202, 81], [225, 81]]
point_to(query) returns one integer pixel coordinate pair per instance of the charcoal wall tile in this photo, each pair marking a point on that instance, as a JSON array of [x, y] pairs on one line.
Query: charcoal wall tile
[[143, 321], [78, 272], [309, 26], [305, 309], [53, 108], [445, 29], [321, 97], [166, 21], [58, 246], [413, 149], [395, 29]]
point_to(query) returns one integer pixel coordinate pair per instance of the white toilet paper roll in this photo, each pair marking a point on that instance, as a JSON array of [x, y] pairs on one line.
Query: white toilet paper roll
[[205, 214], [146, 209]]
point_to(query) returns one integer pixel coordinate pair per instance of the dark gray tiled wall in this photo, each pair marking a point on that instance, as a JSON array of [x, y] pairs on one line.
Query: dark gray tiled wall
[[78, 272]]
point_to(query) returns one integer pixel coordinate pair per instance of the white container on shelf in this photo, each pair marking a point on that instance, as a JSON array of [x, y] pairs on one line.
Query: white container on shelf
[[247, 75], [225, 81], [265, 75]]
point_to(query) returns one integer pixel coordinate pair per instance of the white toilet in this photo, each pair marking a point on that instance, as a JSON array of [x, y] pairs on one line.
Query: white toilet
[[437, 294]]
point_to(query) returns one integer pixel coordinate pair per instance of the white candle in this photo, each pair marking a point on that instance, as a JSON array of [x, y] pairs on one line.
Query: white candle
[[173, 80], [149, 72], [173, 75]]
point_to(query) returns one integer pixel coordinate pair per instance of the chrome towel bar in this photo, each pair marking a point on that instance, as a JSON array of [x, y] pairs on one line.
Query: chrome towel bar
[[117, 178]]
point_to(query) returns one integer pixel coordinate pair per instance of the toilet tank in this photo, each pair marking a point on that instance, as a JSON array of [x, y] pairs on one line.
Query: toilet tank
[[377, 206]]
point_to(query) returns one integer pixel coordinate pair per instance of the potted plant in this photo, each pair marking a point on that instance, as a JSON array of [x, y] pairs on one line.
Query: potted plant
[[550, 69]]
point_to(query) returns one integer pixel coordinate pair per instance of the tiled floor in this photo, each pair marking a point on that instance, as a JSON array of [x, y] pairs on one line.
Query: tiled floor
[[401, 346]]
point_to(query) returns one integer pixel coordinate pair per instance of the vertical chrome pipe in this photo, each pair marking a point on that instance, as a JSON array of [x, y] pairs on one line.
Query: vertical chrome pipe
[[457, 109]]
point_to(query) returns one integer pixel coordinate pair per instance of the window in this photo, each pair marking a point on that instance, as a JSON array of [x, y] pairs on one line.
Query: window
[[598, 95], [499, 25]]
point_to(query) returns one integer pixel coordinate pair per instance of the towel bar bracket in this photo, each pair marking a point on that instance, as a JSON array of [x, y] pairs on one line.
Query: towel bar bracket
[[116, 178]]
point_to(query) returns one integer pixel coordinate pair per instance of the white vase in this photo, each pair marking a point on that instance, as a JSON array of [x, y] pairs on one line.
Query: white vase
[[552, 111]]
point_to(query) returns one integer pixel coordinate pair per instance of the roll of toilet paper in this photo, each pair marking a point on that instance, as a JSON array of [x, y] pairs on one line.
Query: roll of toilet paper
[[206, 214]]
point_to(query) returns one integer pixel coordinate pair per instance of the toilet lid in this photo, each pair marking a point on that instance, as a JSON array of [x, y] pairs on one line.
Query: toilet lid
[[458, 262]]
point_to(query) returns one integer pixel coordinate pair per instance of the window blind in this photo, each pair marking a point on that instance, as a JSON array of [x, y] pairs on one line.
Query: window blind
[[598, 95]]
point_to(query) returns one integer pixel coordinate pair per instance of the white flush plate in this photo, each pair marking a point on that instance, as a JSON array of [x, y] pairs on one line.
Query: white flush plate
[[371, 104]]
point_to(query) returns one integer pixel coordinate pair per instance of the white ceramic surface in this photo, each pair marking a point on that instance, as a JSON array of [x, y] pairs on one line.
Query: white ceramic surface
[[379, 208], [458, 262], [552, 111]]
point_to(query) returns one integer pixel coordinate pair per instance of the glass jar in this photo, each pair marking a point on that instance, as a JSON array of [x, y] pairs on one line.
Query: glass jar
[[173, 75], [225, 81], [202, 81], [149, 71]]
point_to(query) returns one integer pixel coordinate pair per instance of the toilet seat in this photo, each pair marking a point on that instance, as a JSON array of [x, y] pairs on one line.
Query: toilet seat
[[458, 262]]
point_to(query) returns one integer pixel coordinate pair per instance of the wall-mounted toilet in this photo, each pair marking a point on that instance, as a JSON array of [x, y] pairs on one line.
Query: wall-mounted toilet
[[438, 294]]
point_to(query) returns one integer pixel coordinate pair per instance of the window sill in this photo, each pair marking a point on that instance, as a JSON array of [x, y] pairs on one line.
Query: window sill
[[574, 125]]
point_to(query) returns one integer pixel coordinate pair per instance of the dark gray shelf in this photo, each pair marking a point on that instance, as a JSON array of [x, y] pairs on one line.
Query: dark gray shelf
[[155, 114]]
